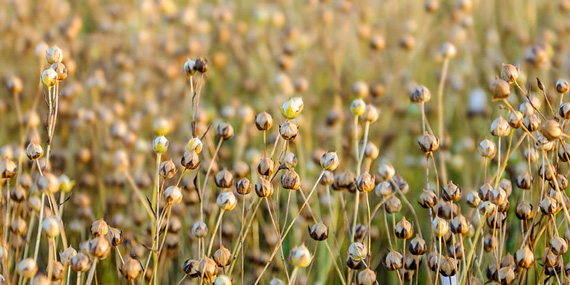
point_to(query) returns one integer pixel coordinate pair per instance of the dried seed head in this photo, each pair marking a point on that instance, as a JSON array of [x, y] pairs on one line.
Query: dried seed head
[[370, 114], [447, 266], [266, 167], [222, 280], [371, 151], [99, 247], [291, 180], [524, 257], [80, 262], [360, 89], [27, 268], [451, 192], [447, 50], [34, 151], [558, 245], [365, 182], [289, 160], [319, 231], [417, 246], [50, 227], [243, 186], [524, 181], [428, 143], [500, 89], [357, 251], [562, 86], [54, 54], [264, 121], [194, 144], [160, 144], [167, 169], [18, 194], [263, 188], [383, 189], [427, 199], [190, 267], [404, 229], [355, 265], [131, 269], [199, 229], [489, 243], [516, 119], [531, 122], [386, 171], [459, 225], [18, 226], [473, 199], [14, 85], [116, 236], [366, 277], [201, 65], [551, 130], [292, 108], [226, 201], [207, 267], [393, 205], [329, 161], [57, 271], [549, 206], [225, 131], [531, 154], [510, 73], [173, 195], [99, 228], [189, 67], [49, 77], [439, 226], [500, 127], [300, 256], [288, 130], [223, 257], [487, 148], [393, 261], [358, 107], [498, 196], [224, 179], [564, 111], [524, 211], [60, 69], [190, 159], [420, 94]]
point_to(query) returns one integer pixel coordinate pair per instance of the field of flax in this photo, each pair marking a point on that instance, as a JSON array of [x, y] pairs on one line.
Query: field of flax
[[284, 142]]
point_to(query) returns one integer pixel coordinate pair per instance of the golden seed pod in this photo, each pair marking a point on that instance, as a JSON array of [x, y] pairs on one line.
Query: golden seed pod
[[365, 182], [300, 256], [190, 267], [35, 203], [57, 271], [18, 226], [328, 178], [263, 188], [80, 262], [510, 73], [386, 171], [549, 259], [60, 69], [371, 151], [116, 236], [551, 130], [199, 229], [319, 231], [531, 122], [427, 199], [189, 67], [417, 246], [360, 89], [50, 227], [500, 127], [195, 144], [515, 119], [48, 183], [34, 151], [27, 268], [498, 196], [393, 261], [489, 243], [223, 257], [419, 94], [291, 180], [524, 211], [564, 111], [355, 265], [243, 186], [329, 161], [226, 201], [366, 277], [40, 279], [99, 247], [289, 160], [167, 169], [524, 257], [562, 86], [404, 229], [49, 77], [8, 168], [487, 148], [207, 267], [201, 65], [393, 205], [14, 85], [99, 228], [54, 54], [288, 130], [459, 225], [558, 245], [451, 192], [131, 269], [224, 179], [160, 144], [447, 266], [263, 121], [225, 131], [500, 89], [524, 181], [358, 107], [222, 280], [292, 108], [448, 50], [357, 251], [371, 114], [265, 167], [173, 195], [190, 159], [439, 226], [473, 199], [428, 143], [549, 206]]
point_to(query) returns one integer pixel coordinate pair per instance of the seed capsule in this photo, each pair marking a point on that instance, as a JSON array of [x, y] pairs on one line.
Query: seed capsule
[[263, 121], [27, 268], [50, 227], [558, 245], [54, 54], [386, 171], [428, 143], [34, 151], [357, 251], [131, 269], [358, 107], [459, 225], [487, 148], [224, 179], [329, 161], [225, 131], [99, 247], [167, 169], [440, 227], [199, 229], [300, 256], [524, 257], [207, 267], [420, 94], [370, 114], [562, 86], [393, 261], [226, 201], [500, 89], [427, 199], [451, 192], [365, 182], [99, 228], [366, 277], [291, 180], [319, 231], [549, 206], [201, 65], [403, 229], [524, 211], [551, 130], [173, 195], [60, 69], [243, 186], [223, 257], [265, 167], [417, 246], [500, 127], [80, 262], [288, 130], [160, 144], [510, 73], [194, 144], [190, 159], [292, 108], [263, 188]]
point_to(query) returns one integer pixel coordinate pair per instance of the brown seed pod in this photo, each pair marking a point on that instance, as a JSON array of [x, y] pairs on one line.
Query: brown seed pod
[[393, 261], [427, 199], [451, 192], [190, 159], [201, 65], [319, 231], [393, 205], [500, 89], [365, 182], [417, 246], [291, 180], [80, 262], [428, 143], [524, 211], [473, 199], [131, 269], [366, 277], [265, 167], [190, 267], [524, 257], [403, 229], [264, 121], [223, 257], [167, 169], [459, 225], [244, 186], [224, 179], [412, 262], [288, 130], [225, 131], [263, 188]]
